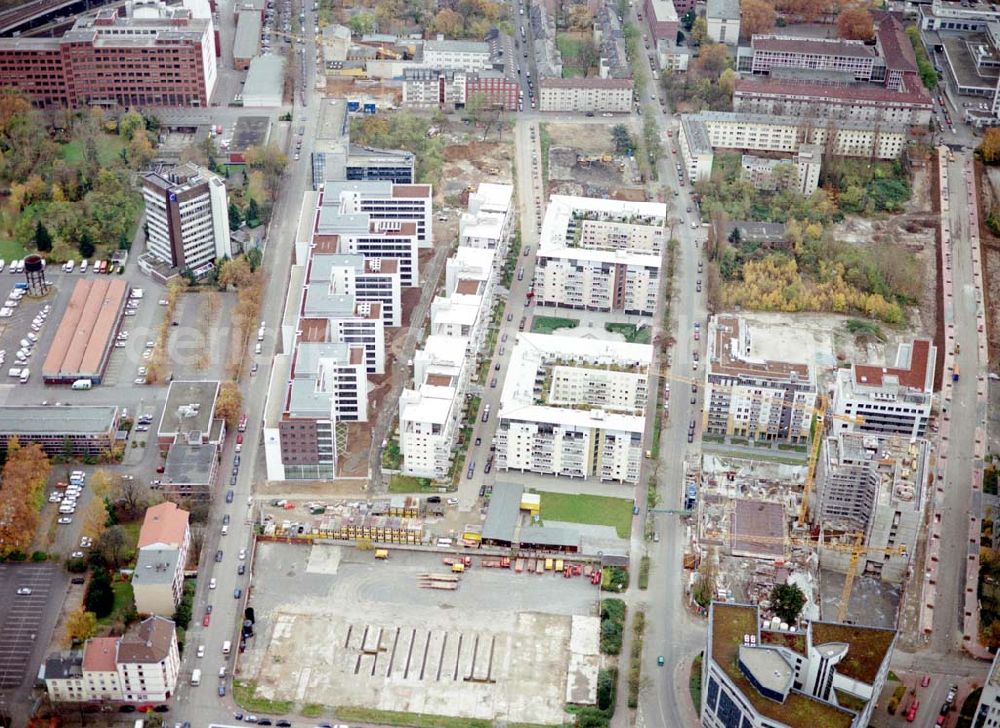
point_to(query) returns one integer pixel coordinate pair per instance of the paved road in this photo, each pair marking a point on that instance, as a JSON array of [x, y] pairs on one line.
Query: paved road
[[202, 705]]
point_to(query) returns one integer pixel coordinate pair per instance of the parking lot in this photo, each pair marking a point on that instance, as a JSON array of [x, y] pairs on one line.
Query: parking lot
[[23, 615], [334, 622]]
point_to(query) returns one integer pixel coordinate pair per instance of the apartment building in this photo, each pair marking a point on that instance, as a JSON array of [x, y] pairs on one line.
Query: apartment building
[[486, 223], [164, 543], [373, 280], [723, 19], [187, 216], [346, 320], [386, 204], [865, 103], [498, 90], [152, 55], [700, 134], [765, 173], [759, 673], [608, 95], [464, 55], [661, 17], [141, 666], [873, 485], [852, 57], [574, 407], [751, 397], [987, 713], [888, 400], [600, 255], [430, 412], [434, 87]]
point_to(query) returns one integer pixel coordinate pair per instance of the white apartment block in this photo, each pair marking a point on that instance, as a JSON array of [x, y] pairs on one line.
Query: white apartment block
[[574, 407], [429, 414], [138, 667], [600, 255], [187, 215], [610, 95], [987, 713], [700, 134], [487, 221], [888, 400], [384, 202], [761, 673], [750, 397], [822, 54], [434, 88], [723, 20], [874, 485], [329, 381], [464, 55], [374, 280], [763, 172]]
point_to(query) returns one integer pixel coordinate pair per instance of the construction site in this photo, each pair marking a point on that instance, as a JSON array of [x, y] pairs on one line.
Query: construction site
[[582, 160]]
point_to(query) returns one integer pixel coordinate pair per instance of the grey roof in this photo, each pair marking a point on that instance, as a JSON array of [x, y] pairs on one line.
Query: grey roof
[[457, 46], [320, 303], [305, 400], [324, 263], [359, 152], [64, 665], [309, 353], [265, 77], [155, 566], [696, 135], [250, 131], [768, 667], [504, 513], [178, 416], [68, 420], [758, 232], [723, 9], [247, 39], [331, 221], [372, 188], [549, 536], [189, 464]]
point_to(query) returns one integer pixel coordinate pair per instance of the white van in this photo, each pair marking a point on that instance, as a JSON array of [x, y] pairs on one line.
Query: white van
[[227, 647], [83, 384], [256, 348], [83, 266], [25, 374], [225, 529], [14, 372], [69, 266], [196, 676]]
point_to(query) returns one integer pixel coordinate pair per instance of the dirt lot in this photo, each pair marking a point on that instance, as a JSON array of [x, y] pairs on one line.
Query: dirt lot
[[585, 138], [989, 195], [582, 161], [337, 627], [467, 163]]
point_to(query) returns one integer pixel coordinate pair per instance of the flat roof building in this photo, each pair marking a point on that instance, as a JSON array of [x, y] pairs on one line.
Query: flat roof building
[[152, 55], [75, 430], [758, 672], [336, 159], [246, 43], [464, 55], [723, 18], [610, 95], [85, 338], [486, 223], [265, 84], [189, 414]]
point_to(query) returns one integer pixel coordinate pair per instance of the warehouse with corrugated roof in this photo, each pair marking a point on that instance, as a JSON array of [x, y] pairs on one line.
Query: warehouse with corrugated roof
[[85, 338]]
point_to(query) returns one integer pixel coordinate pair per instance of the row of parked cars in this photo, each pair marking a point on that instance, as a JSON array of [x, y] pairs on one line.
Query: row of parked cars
[[67, 496]]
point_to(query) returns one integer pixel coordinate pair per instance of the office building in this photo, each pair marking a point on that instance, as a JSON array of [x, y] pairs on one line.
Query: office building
[[348, 321], [141, 666], [574, 407], [888, 400], [335, 159], [371, 280], [486, 223], [969, 18], [187, 215], [876, 486], [987, 713], [164, 542], [80, 430], [463, 55], [607, 95], [387, 205], [764, 674], [152, 55], [750, 397], [600, 255], [661, 17], [265, 83], [853, 57], [723, 19]]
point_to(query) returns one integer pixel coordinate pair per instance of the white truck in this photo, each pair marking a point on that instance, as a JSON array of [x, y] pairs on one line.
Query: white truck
[[25, 373], [83, 384], [196, 676]]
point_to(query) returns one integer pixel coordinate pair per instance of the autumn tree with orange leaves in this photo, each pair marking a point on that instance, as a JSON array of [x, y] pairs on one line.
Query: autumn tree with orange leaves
[[855, 24], [758, 17], [21, 495]]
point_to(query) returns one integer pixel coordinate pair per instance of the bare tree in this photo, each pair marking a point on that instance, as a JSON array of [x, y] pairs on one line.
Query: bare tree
[[129, 497]]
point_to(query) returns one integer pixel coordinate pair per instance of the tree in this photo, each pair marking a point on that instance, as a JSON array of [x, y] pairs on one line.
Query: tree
[[855, 23], [727, 81], [254, 258], [624, 144], [712, 59], [86, 244], [24, 477], [229, 404], [271, 161], [129, 497], [787, 601], [699, 30], [579, 17], [449, 23], [100, 597], [131, 122], [81, 625], [111, 545], [95, 520], [758, 17], [102, 483], [140, 149], [235, 272], [43, 241], [989, 149], [235, 219], [253, 212], [362, 23]]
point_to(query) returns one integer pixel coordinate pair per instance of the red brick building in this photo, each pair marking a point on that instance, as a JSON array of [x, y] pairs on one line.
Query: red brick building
[[498, 89], [111, 59]]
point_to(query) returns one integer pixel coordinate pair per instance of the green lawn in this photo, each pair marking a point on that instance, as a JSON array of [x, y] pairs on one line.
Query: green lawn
[[593, 509], [570, 46], [108, 147], [124, 600], [548, 324], [11, 250], [633, 334], [418, 720], [408, 484], [244, 693]]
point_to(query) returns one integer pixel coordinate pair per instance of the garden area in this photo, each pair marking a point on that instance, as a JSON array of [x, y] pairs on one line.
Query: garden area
[[592, 509], [633, 334], [579, 54], [550, 324], [403, 130]]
